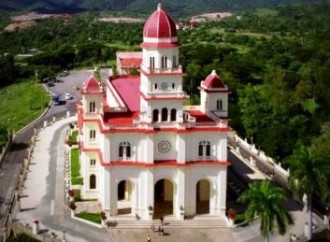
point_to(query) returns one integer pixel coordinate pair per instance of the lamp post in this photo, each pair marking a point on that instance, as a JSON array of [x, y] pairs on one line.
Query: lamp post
[[63, 239]]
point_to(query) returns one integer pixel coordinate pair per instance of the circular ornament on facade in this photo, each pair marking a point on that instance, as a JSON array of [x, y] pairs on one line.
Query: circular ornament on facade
[[164, 85], [164, 146]]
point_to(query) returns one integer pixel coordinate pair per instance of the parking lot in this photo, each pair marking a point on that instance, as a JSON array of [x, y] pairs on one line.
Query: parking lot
[[70, 84]]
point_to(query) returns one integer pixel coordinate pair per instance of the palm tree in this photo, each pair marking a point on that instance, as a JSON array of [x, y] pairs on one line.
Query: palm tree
[[308, 174], [266, 201]]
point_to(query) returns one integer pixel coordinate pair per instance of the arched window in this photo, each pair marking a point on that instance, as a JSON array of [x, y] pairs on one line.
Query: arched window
[[152, 63], [204, 148], [92, 181], [92, 134], [173, 85], [155, 86], [124, 150], [92, 162], [164, 114], [155, 115], [92, 107], [164, 62], [173, 114], [219, 104], [174, 64]]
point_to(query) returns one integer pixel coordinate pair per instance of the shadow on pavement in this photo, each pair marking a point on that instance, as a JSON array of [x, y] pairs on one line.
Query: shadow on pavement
[[18, 146]]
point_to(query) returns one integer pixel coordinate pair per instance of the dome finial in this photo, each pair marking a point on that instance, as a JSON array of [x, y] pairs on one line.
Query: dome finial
[[213, 73], [159, 6]]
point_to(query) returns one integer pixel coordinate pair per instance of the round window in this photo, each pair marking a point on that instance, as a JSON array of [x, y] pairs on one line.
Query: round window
[[164, 146]]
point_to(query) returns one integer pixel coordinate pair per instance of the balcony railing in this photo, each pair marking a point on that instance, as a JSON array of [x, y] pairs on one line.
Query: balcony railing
[[169, 70]]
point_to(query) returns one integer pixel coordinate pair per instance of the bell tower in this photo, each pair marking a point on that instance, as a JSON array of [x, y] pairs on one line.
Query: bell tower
[[161, 92]]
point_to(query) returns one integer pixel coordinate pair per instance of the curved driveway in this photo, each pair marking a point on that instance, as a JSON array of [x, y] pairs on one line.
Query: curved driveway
[[12, 164]]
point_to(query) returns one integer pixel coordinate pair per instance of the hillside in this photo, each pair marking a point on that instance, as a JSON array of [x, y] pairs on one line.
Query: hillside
[[177, 8]]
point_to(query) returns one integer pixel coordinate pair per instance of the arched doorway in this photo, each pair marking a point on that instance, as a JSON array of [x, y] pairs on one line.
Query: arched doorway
[[163, 198], [203, 197], [124, 191]]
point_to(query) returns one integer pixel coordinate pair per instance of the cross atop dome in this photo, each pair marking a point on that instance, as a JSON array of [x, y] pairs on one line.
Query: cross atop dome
[[159, 7]]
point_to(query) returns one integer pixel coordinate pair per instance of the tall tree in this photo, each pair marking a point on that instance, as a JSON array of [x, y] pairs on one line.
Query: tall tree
[[309, 173], [266, 201]]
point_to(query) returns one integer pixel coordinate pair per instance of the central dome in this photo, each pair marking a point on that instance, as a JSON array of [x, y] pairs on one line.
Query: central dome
[[159, 25]]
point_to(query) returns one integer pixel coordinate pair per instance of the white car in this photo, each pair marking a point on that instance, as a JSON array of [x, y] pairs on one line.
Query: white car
[[68, 96]]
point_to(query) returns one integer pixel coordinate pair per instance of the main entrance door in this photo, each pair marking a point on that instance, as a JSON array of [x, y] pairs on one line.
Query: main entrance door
[[124, 197], [203, 197], [163, 198]]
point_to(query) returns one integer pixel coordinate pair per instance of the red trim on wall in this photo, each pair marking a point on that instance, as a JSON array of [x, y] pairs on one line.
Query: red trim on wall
[[159, 45], [208, 90], [155, 130]]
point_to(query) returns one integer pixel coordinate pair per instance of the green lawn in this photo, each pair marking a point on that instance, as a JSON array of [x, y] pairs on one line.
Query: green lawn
[[21, 103], [93, 217], [76, 179]]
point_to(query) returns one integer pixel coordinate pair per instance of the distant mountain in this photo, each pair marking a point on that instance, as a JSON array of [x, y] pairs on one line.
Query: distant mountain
[[176, 7]]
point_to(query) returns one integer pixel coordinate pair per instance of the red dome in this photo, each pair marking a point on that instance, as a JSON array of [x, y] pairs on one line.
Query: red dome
[[213, 81], [91, 86], [159, 25]]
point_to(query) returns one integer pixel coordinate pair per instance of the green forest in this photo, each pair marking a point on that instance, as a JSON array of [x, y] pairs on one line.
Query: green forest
[[276, 63]]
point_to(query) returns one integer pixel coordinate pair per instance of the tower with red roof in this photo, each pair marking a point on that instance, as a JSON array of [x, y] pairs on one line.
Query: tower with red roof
[[143, 153]]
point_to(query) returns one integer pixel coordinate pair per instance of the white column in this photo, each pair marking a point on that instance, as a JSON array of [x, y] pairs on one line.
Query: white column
[[181, 144], [190, 193], [179, 203], [149, 149], [222, 193], [113, 186], [148, 194]]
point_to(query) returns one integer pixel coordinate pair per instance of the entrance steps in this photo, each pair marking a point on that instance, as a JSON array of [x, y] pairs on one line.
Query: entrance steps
[[170, 222]]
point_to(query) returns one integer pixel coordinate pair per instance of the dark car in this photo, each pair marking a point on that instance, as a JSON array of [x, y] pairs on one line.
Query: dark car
[[50, 84]]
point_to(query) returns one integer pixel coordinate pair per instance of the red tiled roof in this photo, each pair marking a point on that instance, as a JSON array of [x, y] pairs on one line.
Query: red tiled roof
[[127, 63], [213, 81], [159, 25], [128, 87], [120, 118], [91, 86], [200, 117]]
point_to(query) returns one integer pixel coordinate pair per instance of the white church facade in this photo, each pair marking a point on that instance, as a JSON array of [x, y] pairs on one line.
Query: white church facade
[[142, 151]]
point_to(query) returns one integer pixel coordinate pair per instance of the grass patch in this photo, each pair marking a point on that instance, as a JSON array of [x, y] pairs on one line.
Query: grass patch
[[21, 103], [92, 217], [76, 179]]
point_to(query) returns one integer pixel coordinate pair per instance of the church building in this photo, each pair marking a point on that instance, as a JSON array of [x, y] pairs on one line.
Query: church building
[[143, 153]]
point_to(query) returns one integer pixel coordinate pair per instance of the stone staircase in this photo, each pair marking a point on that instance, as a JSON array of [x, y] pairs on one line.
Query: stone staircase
[[120, 222]]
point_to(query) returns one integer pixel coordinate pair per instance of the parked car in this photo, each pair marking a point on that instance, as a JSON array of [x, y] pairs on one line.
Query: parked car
[[68, 96], [50, 84], [63, 73]]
